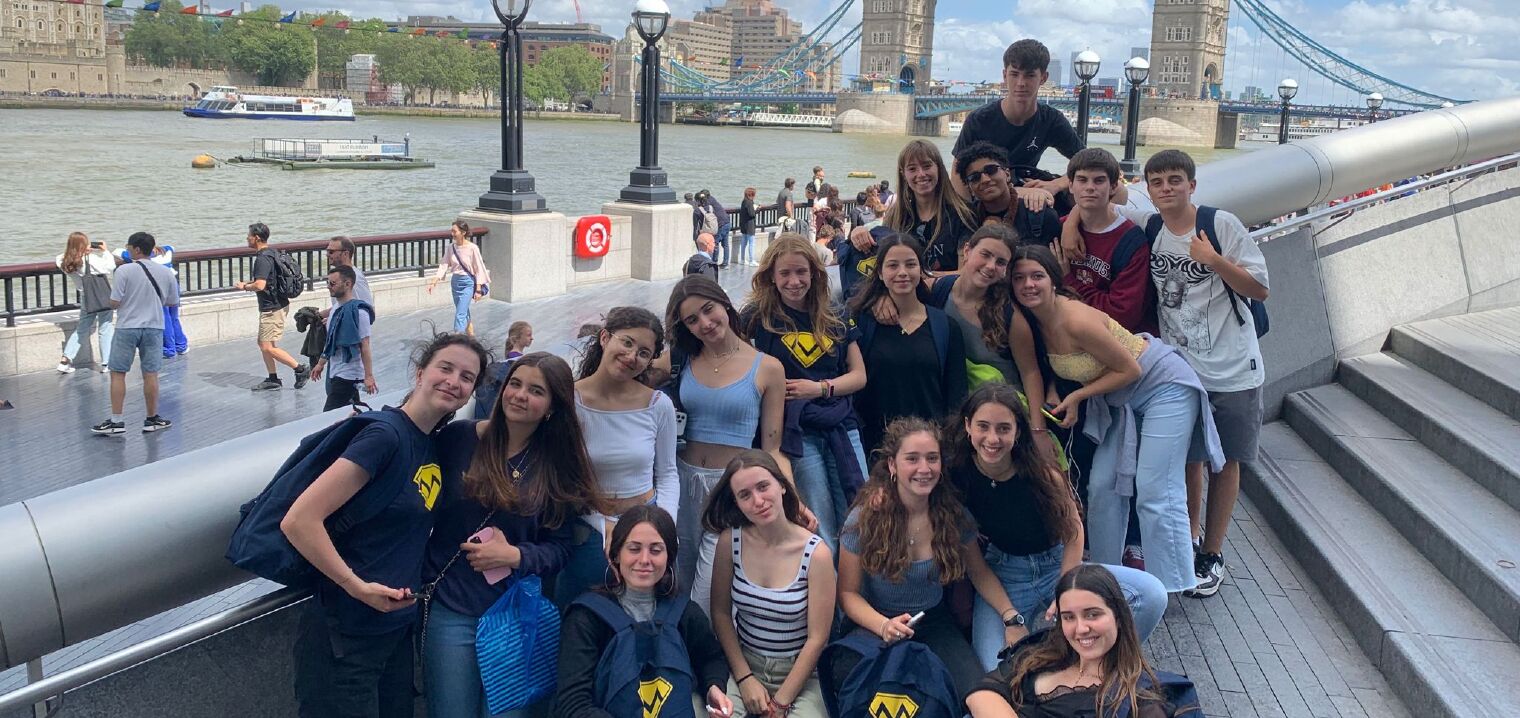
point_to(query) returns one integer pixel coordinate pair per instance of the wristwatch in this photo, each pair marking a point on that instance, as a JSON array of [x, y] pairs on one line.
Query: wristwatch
[[1017, 619]]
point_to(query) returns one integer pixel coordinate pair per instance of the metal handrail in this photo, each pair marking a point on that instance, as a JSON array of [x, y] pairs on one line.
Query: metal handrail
[[62, 682], [1275, 230]]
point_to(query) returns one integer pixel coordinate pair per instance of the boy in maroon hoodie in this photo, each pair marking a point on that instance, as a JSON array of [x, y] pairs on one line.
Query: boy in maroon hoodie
[[1113, 271]]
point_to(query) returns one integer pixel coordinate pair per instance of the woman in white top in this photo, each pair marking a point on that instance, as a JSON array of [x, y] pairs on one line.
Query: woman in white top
[[630, 430], [772, 592], [82, 258], [467, 273]]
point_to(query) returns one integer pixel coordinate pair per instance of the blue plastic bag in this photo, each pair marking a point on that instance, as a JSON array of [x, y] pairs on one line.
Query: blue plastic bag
[[517, 647]]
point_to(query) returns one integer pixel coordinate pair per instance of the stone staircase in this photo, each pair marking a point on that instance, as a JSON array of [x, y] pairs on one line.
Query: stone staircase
[[1398, 489]]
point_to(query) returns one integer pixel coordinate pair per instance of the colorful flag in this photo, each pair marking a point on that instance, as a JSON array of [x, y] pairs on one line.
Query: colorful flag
[[151, 7], [75, 2], [420, 31], [464, 34], [289, 18], [225, 13], [113, 3], [739, 61], [393, 29], [342, 25], [811, 75], [190, 10], [442, 33], [319, 22]]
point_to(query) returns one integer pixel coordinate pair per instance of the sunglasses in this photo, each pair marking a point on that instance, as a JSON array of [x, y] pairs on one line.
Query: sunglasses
[[988, 170]]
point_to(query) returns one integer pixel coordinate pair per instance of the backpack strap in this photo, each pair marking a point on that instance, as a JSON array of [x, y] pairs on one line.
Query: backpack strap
[[939, 329], [668, 612], [867, 325], [606, 609], [1130, 243], [1206, 223], [1153, 227], [939, 294], [151, 280], [373, 498]]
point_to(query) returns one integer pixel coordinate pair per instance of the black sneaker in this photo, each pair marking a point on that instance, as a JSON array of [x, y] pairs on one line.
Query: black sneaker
[[1209, 568], [303, 375], [270, 384], [154, 423], [108, 427]]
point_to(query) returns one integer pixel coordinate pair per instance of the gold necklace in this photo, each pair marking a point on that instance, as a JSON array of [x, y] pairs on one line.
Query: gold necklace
[[725, 357], [517, 471]]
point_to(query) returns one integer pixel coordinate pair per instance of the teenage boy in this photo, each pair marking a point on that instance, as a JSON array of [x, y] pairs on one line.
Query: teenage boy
[[1018, 123], [1196, 282], [346, 352], [140, 289], [1112, 272], [272, 310], [983, 167]]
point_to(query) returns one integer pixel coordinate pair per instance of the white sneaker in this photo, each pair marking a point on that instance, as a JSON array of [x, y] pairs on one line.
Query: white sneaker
[[65, 368]]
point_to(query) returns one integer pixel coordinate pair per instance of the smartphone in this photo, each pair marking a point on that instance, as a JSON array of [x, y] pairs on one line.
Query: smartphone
[[715, 712], [915, 619], [97, 245], [493, 576]]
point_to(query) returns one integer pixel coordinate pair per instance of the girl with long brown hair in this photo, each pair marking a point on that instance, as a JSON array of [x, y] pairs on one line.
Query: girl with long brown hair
[[772, 591], [521, 478], [1091, 664], [734, 398], [928, 207], [1028, 516], [906, 539], [790, 317], [86, 261]]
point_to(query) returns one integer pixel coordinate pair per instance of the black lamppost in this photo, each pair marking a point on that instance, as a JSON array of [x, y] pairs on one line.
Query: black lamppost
[[647, 182], [1137, 70], [1087, 68], [1374, 102], [512, 189], [1286, 89]]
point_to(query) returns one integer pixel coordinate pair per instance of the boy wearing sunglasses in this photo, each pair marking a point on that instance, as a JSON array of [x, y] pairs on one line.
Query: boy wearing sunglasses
[[983, 167]]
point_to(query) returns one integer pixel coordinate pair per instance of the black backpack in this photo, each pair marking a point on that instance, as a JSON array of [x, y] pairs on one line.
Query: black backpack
[[289, 282], [1205, 222]]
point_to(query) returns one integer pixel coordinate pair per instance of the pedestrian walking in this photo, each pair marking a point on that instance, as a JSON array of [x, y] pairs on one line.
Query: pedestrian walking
[[468, 277], [273, 307]]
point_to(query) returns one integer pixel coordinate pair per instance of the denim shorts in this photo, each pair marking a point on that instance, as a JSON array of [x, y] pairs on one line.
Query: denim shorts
[[146, 343]]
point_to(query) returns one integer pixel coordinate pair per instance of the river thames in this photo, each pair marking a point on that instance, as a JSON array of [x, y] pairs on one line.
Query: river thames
[[109, 173]]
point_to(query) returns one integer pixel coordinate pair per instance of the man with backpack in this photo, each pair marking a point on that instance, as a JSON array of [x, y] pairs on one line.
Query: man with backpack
[[276, 280], [1114, 272], [140, 289], [1212, 279]]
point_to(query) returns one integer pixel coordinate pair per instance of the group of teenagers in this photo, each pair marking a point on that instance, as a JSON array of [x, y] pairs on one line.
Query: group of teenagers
[[705, 475]]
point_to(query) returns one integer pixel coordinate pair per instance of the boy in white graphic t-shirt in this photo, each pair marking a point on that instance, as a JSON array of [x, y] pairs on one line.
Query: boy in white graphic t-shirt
[[1218, 341]]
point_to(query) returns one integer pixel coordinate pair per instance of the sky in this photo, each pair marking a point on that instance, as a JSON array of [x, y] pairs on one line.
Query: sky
[[1463, 49]]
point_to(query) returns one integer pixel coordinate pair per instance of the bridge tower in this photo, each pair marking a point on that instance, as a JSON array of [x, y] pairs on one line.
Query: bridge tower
[[897, 42], [1187, 48]]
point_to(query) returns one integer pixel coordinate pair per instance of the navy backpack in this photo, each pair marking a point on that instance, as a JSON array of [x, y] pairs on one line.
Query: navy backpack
[[902, 680], [258, 546], [645, 669]]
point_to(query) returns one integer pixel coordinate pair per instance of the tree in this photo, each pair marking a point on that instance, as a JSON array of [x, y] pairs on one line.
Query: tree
[[570, 72], [487, 61], [335, 47], [277, 53], [400, 63], [168, 39]]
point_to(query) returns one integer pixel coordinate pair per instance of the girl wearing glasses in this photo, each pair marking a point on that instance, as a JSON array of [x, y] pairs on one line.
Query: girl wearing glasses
[[633, 429]]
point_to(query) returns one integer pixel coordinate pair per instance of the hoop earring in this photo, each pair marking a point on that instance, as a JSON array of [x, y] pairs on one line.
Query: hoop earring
[[613, 579]]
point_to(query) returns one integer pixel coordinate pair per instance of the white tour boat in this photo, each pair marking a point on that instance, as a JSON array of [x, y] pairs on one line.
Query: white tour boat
[[224, 102]]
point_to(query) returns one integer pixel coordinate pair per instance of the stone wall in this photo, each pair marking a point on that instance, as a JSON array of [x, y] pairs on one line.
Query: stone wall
[[41, 75], [187, 83], [1178, 123], [883, 113]]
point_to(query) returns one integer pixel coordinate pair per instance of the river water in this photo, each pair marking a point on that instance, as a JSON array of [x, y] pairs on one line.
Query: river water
[[109, 173]]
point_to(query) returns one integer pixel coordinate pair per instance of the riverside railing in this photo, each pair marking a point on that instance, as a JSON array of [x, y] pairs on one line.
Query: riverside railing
[[40, 288]]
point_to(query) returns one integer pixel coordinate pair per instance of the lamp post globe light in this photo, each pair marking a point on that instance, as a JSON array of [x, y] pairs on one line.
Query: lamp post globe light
[[512, 188], [647, 182], [1137, 71], [1287, 90], [1087, 68], [1374, 102]]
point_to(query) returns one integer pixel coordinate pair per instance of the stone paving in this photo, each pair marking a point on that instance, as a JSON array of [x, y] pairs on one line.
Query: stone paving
[[1267, 645]]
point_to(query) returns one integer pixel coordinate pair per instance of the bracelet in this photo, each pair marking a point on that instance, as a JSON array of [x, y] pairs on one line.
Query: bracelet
[[782, 708], [746, 677], [830, 386], [1006, 614], [1040, 430]]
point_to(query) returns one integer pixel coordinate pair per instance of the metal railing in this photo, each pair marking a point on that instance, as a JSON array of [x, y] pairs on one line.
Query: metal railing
[[41, 288]]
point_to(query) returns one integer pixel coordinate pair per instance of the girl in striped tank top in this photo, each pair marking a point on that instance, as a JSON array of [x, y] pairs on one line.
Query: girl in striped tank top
[[772, 590]]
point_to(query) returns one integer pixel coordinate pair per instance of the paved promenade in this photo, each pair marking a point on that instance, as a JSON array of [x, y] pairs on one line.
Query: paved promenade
[[1267, 645]]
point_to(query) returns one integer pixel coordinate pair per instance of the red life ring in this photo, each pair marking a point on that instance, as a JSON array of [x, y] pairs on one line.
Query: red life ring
[[593, 236]]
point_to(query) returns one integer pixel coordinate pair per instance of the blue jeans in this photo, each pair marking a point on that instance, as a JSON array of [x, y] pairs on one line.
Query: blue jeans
[[1031, 582], [587, 567], [746, 248], [724, 230], [102, 322], [818, 483], [463, 287], [449, 670], [1166, 415]]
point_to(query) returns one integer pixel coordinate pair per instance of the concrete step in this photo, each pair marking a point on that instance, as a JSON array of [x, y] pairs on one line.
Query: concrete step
[[1471, 537], [1441, 654], [1478, 352], [1478, 439]]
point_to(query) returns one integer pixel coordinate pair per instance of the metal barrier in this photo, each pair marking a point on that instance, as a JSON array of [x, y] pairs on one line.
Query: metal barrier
[[61, 587], [40, 288]]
